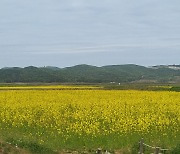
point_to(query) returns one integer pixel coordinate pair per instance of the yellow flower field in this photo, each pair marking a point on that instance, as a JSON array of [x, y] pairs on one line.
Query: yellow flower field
[[57, 118]]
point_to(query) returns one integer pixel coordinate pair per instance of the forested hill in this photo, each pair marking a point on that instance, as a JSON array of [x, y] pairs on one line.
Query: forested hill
[[91, 74]]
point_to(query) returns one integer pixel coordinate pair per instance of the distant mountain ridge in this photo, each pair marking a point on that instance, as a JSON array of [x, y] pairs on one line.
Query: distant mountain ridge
[[91, 74]]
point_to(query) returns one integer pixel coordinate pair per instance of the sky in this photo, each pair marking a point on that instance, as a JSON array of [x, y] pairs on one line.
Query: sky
[[96, 32]]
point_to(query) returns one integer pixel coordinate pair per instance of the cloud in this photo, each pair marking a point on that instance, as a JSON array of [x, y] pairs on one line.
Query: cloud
[[121, 48], [54, 27]]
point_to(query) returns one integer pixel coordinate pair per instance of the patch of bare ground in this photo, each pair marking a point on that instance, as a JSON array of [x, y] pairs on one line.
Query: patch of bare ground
[[122, 151], [119, 151], [6, 148]]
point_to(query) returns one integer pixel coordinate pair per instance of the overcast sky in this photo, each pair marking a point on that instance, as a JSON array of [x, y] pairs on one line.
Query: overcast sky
[[97, 32]]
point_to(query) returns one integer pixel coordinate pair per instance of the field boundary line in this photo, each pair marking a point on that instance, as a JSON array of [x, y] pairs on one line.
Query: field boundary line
[[157, 150]]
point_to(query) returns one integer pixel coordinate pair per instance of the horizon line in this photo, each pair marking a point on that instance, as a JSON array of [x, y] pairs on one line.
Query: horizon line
[[45, 66]]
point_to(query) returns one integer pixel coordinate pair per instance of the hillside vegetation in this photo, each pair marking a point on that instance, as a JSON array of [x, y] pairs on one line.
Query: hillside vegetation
[[90, 74]]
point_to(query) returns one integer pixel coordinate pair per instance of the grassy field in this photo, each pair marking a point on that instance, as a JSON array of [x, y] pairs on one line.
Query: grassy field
[[50, 119]]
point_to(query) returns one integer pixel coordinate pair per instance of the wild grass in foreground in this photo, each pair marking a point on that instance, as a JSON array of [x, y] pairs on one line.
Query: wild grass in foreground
[[49, 121]]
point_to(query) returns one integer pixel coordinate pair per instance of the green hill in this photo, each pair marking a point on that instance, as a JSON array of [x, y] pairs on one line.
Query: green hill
[[89, 74]]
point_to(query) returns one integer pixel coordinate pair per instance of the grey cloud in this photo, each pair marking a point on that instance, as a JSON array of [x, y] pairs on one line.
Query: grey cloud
[[55, 27]]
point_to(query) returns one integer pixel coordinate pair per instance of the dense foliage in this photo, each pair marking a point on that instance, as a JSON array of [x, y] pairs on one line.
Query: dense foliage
[[89, 74]]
